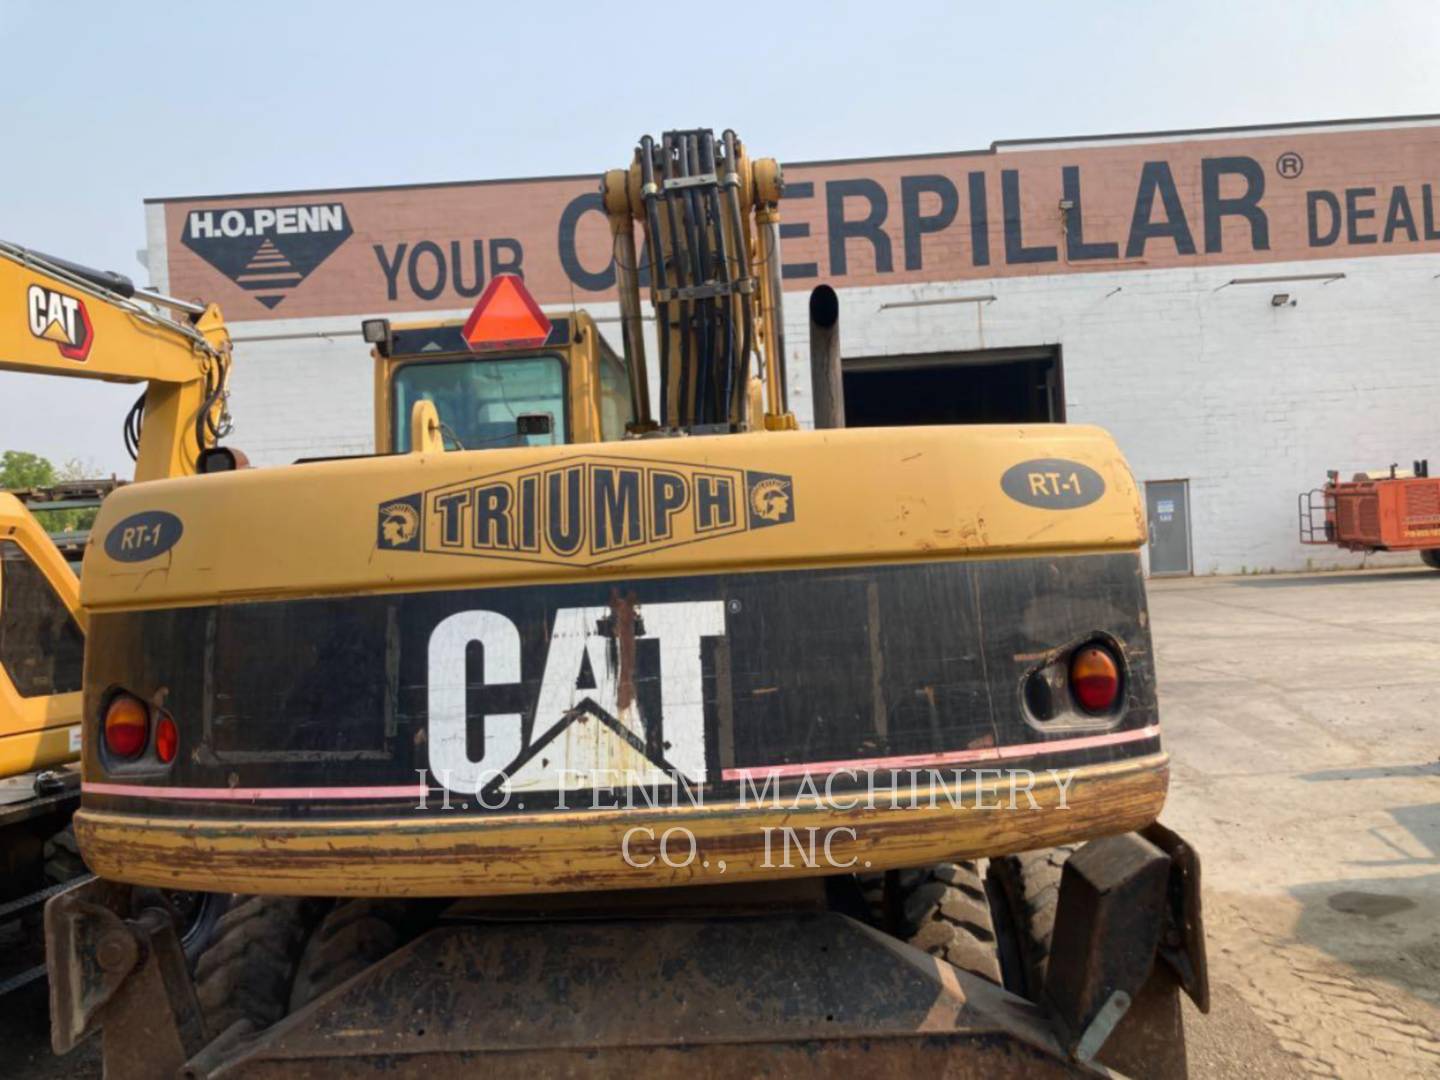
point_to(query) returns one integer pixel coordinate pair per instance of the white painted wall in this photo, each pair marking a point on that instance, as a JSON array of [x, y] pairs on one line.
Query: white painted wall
[[1250, 402]]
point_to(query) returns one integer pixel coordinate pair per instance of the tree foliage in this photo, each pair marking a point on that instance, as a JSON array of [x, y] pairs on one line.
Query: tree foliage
[[20, 469]]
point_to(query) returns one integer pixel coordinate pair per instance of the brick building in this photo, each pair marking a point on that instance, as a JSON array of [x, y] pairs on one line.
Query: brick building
[[1243, 308]]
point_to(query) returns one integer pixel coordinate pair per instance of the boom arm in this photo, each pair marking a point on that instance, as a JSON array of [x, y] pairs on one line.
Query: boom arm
[[57, 318], [711, 223]]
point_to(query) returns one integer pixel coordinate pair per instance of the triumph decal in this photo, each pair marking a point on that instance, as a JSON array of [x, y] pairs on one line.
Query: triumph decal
[[61, 318], [585, 511], [267, 249], [586, 720]]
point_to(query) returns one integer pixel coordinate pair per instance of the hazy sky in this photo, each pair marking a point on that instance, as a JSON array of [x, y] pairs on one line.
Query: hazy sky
[[106, 104]]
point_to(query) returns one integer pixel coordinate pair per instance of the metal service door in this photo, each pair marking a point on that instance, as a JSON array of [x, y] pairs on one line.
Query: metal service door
[[1167, 505]]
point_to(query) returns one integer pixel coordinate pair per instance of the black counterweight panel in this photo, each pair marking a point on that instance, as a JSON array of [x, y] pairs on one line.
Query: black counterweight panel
[[701, 676]]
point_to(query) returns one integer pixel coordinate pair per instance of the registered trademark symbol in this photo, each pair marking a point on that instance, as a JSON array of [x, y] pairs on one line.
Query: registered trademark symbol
[[1289, 165], [734, 607]]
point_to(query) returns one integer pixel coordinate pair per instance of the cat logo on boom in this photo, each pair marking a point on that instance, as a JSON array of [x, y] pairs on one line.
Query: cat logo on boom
[[61, 318]]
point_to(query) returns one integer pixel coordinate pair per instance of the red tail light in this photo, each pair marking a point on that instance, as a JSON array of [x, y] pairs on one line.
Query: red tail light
[[1095, 678], [127, 726], [167, 738]]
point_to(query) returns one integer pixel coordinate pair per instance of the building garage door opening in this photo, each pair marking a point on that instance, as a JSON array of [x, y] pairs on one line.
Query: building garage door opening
[[998, 386]]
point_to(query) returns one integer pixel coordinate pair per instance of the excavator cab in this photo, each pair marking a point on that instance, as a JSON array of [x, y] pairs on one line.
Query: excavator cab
[[507, 377]]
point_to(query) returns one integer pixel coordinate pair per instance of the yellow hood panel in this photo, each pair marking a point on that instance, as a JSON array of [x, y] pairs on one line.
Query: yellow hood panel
[[637, 508]]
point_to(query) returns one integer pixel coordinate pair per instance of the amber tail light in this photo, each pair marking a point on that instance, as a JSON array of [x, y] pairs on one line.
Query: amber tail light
[[127, 726], [1095, 678]]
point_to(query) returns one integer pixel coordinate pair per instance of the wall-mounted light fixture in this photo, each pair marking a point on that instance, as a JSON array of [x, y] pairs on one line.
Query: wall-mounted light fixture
[[1280, 299]]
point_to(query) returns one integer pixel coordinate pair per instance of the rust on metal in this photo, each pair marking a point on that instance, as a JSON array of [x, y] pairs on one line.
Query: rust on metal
[[456, 856], [623, 626]]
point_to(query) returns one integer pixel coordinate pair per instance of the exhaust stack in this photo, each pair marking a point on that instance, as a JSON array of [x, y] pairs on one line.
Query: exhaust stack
[[827, 385]]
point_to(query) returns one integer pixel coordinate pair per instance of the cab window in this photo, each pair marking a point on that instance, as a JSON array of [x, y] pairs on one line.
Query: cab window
[[41, 647], [615, 407], [480, 401]]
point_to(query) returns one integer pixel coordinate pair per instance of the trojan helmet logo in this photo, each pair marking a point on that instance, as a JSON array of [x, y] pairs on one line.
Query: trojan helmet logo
[[400, 526], [771, 502], [61, 318]]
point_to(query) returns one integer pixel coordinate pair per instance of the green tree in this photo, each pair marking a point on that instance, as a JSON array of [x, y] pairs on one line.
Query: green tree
[[20, 469]]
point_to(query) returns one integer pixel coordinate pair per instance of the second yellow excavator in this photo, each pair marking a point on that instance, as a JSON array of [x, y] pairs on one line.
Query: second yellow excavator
[[60, 318]]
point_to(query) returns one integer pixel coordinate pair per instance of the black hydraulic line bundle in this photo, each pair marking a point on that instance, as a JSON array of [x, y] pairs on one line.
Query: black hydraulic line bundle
[[701, 269]]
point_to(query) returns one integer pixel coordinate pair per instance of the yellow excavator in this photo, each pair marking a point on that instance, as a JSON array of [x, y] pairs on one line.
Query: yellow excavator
[[572, 736], [59, 318]]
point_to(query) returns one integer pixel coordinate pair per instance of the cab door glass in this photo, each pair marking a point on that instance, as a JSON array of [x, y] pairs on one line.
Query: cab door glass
[[41, 647]]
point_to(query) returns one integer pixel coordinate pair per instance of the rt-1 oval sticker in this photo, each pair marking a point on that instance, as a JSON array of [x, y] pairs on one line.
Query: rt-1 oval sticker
[[143, 536], [1053, 484]]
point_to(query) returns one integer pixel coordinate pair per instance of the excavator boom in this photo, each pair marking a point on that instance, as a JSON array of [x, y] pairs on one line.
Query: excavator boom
[[90, 324]]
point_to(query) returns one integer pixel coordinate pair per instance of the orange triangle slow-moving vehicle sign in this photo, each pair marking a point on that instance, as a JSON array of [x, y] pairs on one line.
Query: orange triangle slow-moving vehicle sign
[[505, 317]]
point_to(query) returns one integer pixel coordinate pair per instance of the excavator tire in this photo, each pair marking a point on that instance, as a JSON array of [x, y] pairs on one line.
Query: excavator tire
[[1028, 885], [195, 914], [247, 971], [943, 910], [351, 937], [1431, 558]]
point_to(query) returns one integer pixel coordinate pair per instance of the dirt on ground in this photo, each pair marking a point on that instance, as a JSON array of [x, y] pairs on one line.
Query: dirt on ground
[[1303, 717]]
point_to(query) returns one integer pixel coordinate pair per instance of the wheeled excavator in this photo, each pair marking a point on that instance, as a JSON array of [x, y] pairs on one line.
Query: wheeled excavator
[[573, 734], [60, 318]]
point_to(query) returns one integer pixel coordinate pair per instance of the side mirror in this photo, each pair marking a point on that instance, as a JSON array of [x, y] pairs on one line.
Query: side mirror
[[527, 424]]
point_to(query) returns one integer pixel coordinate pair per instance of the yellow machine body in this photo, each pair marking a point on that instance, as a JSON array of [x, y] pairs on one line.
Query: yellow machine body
[[544, 616], [293, 551]]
